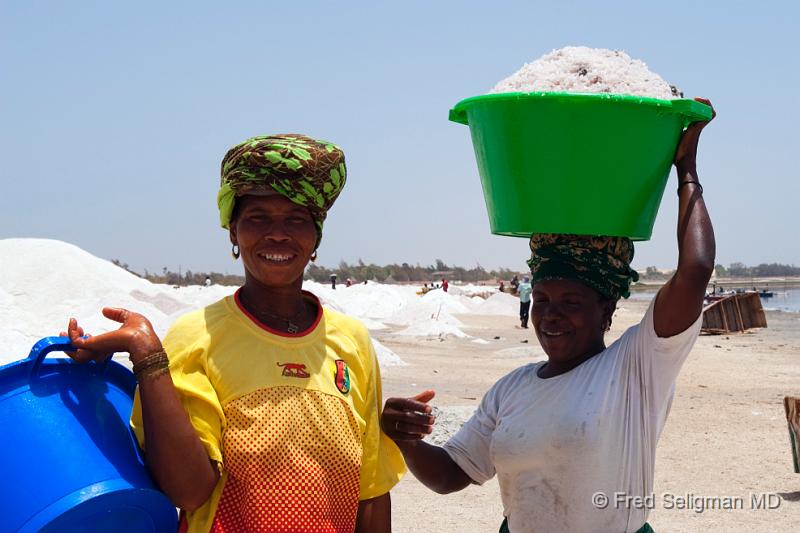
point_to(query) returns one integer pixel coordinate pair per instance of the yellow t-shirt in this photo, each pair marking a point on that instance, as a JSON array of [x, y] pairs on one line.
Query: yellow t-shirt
[[292, 420]]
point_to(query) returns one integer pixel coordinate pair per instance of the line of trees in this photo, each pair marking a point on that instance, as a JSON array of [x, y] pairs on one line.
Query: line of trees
[[764, 270], [404, 273], [184, 278], [358, 272], [734, 270], [652, 273]]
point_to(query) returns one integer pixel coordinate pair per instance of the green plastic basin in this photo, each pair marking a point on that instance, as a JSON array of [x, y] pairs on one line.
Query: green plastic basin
[[588, 164]]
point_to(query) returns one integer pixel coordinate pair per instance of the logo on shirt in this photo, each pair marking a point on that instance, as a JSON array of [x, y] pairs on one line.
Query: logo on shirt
[[294, 370], [342, 377]]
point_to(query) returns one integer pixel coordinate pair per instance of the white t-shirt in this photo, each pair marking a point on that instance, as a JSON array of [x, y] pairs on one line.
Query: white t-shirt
[[555, 442]]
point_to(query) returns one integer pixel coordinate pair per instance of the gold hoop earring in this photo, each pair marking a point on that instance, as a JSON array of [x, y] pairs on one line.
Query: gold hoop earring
[[235, 252], [313, 256]]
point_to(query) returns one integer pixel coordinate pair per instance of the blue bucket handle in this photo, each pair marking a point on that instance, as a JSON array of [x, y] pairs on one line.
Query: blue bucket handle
[[47, 345]]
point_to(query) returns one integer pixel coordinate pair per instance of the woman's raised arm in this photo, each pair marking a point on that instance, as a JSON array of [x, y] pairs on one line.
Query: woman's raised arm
[[680, 301]]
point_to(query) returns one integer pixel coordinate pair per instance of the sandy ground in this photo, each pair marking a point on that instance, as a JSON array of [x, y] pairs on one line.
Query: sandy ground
[[726, 436]]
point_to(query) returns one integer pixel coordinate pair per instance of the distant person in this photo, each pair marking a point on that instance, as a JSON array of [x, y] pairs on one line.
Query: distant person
[[502, 287], [525, 291], [514, 284], [207, 282], [333, 281], [445, 285], [348, 282], [261, 411]]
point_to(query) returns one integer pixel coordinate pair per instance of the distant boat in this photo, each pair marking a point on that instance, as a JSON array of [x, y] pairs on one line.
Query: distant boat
[[736, 312], [764, 293], [721, 295]]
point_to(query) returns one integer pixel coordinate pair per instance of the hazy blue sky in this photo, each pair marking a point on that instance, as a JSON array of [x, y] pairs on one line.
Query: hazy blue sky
[[113, 119]]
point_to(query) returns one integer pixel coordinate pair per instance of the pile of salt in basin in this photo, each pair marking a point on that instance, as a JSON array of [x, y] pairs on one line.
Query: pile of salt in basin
[[579, 69]]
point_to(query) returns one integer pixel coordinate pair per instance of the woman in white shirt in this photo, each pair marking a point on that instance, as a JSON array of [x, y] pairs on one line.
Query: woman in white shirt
[[573, 439]]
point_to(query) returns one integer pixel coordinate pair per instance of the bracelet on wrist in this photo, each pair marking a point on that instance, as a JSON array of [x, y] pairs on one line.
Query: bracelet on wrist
[[153, 365], [690, 181]]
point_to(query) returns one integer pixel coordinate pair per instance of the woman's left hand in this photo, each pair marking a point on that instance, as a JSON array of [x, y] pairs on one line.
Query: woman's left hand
[[135, 336], [686, 154], [76, 333]]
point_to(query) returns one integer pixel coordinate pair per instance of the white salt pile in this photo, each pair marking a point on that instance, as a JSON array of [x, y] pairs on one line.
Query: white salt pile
[[499, 303], [445, 301], [373, 300], [579, 69], [429, 315], [469, 290], [432, 328], [449, 420], [45, 282], [420, 310], [386, 357]]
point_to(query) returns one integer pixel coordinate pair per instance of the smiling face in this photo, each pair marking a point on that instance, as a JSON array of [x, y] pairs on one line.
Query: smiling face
[[570, 319], [276, 238]]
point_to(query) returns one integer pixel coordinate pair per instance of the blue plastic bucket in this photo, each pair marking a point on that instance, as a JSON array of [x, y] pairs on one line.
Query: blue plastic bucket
[[69, 459]]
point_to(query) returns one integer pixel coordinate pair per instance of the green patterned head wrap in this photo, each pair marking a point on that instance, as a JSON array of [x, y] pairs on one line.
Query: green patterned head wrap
[[307, 171], [602, 263]]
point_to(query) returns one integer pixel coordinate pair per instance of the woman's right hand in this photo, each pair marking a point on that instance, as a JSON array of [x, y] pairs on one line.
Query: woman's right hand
[[136, 336], [408, 419]]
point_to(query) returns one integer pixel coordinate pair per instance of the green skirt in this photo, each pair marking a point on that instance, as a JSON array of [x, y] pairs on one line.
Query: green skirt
[[644, 529]]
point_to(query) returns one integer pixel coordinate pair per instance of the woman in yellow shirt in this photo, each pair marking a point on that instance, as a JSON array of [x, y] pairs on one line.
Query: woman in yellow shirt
[[260, 412]]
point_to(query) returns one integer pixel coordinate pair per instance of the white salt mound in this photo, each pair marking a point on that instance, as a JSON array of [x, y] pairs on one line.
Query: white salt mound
[[499, 303], [371, 301], [386, 357], [469, 290], [419, 311], [431, 316], [579, 69], [372, 325], [448, 421], [432, 328], [44, 282], [447, 302]]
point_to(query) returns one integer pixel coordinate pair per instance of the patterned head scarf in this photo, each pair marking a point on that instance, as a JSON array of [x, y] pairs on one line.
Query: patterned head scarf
[[307, 171], [602, 263]]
